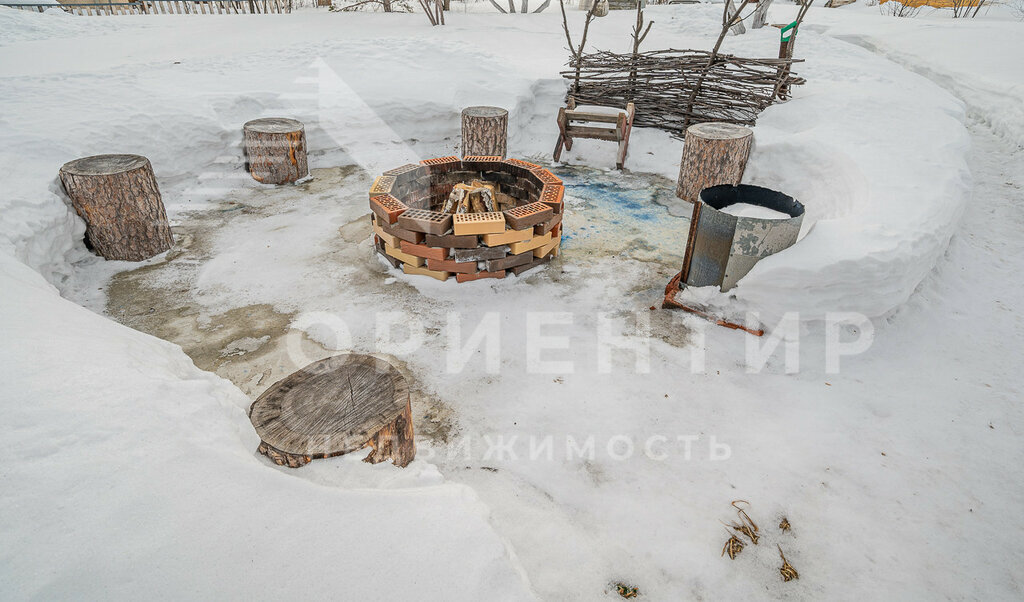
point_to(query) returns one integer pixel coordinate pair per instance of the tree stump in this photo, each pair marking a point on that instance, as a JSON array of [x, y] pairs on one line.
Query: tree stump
[[118, 197], [335, 406], [276, 149], [713, 153], [484, 131]]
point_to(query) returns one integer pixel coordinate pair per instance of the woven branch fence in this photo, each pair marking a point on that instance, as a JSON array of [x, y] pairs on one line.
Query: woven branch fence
[[660, 83]]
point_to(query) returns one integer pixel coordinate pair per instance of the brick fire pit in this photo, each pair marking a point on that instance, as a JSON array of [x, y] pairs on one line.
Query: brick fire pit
[[412, 230]]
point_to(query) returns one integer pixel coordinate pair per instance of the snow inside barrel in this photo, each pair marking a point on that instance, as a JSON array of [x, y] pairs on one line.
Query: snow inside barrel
[[734, 228]]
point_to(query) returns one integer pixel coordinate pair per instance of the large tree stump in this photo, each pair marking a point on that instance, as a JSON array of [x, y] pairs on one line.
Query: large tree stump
[[335, 406], [713, 153], [484, 131], [276, 150], [119, 200]]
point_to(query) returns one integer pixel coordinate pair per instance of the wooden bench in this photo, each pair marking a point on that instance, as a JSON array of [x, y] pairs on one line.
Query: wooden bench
[[573, 124]]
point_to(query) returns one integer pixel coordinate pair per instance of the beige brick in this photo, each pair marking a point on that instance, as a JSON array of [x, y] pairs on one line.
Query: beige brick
[[542, 251], [421, 271], [537, 241], [506, 237], [398, 254], [390, 239], [478, 223]]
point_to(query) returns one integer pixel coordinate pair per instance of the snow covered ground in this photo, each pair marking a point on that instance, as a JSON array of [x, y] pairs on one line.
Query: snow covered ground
[[129, 471]]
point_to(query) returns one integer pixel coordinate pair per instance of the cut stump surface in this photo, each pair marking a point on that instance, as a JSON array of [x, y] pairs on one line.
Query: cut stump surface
[[336, 406]]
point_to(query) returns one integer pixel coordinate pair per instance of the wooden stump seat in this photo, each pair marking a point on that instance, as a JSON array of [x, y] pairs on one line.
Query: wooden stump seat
[[118, 197], [276, 150], [484, 132], [335, 406], [713, 153]]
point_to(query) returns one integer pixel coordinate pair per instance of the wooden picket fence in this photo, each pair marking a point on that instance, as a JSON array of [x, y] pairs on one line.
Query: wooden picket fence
[[168, 7]]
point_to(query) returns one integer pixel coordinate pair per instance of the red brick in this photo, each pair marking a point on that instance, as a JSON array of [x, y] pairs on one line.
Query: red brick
[[387, 208], [482, 163], [525, 216], [545, 177], [450, 265], [424, 251], [552, 195], [442, 164], [523, 164]]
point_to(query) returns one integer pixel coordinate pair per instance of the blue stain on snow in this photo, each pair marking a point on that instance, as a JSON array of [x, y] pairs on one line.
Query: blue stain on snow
[[611, 206]]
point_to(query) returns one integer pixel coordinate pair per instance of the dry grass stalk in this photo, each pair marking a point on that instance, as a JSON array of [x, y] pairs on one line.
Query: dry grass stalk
[[747, 525], [626, 591], [732, 547], [787, 570]]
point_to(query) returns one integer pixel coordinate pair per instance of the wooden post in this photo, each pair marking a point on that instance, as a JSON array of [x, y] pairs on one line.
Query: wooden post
[[276, 150], [118, 197], [713, 153], [484, 131], [785, 52]]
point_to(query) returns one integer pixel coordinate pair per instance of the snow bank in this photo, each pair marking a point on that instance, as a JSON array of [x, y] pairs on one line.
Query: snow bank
[[183, 495], [129, 473], [957, 53], [877, 156], [883, 188]]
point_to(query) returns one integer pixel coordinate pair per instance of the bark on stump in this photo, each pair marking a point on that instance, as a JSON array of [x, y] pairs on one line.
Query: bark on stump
[[276, 150], [118, 197], [484, 131], [713, 153], [336, 406]]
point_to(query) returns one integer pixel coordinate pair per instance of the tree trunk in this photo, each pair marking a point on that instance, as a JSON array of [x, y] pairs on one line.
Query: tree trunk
[[484, 131], [276, 150], [713, 153], [118, 197]]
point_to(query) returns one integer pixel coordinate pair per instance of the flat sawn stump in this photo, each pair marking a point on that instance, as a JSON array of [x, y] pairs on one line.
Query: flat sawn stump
[[335, 406]]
